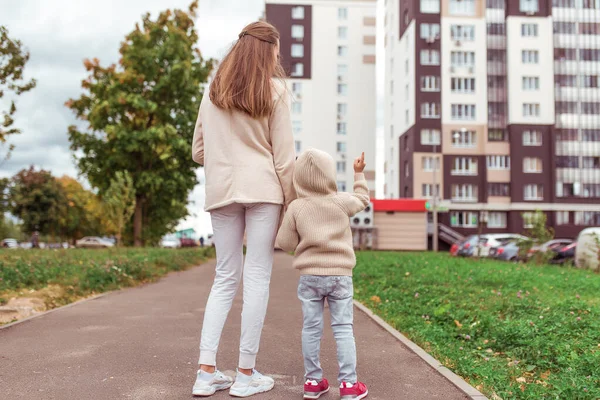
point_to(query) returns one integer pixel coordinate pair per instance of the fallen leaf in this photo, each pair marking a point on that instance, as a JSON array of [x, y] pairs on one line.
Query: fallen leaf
[[375, 299], [458, 324], [521, 380]]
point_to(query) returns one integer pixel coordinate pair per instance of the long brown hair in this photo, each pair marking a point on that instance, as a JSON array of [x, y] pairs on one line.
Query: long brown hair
[[244, 79]]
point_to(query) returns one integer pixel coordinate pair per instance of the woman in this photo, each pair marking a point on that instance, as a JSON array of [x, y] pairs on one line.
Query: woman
[[244, 140]]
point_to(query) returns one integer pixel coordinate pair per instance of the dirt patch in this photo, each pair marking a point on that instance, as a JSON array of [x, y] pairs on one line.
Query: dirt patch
[[25, 304]]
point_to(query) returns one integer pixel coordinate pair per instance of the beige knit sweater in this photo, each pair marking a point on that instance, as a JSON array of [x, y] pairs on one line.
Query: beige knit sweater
[[317, 225], [245, 160]]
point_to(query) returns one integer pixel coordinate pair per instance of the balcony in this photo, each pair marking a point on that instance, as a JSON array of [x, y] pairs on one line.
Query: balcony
[[497, 121], [496, 42], [497, 95], [576, 148], [496, 68]]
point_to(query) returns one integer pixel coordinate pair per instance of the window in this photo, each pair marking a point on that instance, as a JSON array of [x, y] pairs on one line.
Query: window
[[565, 28], [343, 13], [429, 163], [342, 109], [342, 70], [464, 112], [496, 220], [462, 85], [532, 165], [463, 219], [341, 147], [529, 6], [498, 162], [297, 88], [565, 54], [567, 162], [495, 4], [298, 69], [497, 56], [532, 138], [590, 190], [589, 54], [464, 33], [427, 190], [341, 186], [564, 3], [589, 81], [406, 169], [566, 107], [298, 31], [462, 7], [341, 167], [463, 139], [590, 162], [534, 191], [342, 89], [528, 219], [297, 50], [590, 135], [587, 28], [298, 145], [406, 117], [341, 128], [529, 30], [497, 135], [430, 31], [297, 127], [430, 6], [464, 166], [430, 83], [593, 4], [496, 29], [590, 108], [297, 12], [342, 51], [498, 189], [460, 59], [296, 108], [342, 32], [406, 69], [430, 110], [464, 193], [531, 110], [587, 218], [530, 56], [391, 131], [430, 137], [531, 83], [430, 57], [562, 217]]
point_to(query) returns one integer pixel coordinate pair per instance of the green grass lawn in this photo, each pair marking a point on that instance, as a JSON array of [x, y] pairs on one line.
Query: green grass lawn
[[77, 273], [515, 331]]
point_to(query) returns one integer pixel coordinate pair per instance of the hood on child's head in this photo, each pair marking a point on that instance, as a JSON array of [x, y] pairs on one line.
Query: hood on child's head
[[314, 174]]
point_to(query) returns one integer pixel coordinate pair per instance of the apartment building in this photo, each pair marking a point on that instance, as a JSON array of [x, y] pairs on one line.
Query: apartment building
[[495, 106], [328, 51]]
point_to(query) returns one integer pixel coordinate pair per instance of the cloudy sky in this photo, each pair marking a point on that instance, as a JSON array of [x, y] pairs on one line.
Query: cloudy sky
[[61, 33]]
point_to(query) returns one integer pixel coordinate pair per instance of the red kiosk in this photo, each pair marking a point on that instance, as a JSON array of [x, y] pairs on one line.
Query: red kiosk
[[400, 224]]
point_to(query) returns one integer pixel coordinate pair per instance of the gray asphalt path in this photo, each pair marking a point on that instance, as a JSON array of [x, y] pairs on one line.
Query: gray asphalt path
[[142, 343]]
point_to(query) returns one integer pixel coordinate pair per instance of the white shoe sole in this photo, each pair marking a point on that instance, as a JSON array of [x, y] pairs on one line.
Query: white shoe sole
[[250, 390], [210, 391], [362, 396], [314, 396]]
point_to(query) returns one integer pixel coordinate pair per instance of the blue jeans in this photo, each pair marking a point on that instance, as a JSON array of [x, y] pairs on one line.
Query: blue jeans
[[338, 290]]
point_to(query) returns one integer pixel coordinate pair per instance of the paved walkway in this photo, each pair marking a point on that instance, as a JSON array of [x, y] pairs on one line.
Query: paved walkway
[[142, 343]]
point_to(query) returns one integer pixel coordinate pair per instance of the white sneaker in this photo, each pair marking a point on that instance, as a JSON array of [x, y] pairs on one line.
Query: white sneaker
[[207, 384], [246, 386]]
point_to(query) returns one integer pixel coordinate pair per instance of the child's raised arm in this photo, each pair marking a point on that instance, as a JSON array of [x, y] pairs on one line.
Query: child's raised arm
[[287, 238], [359, 200]]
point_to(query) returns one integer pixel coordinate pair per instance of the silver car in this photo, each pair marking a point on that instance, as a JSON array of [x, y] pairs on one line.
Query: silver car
[[93, 242]]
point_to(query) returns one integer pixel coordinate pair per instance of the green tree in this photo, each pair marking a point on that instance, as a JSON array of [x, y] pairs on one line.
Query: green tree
[[119, 203], [13, 58], [141, 116], [538, 233], [82, 211], [38, 200]]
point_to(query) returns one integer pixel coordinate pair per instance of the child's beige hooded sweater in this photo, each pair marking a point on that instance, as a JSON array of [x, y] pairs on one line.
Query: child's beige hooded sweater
[[317, 224]]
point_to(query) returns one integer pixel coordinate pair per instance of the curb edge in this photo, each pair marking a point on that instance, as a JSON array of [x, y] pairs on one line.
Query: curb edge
[[456, 380]]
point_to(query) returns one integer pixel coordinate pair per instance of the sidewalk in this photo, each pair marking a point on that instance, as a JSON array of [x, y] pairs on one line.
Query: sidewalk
[[142, 343]]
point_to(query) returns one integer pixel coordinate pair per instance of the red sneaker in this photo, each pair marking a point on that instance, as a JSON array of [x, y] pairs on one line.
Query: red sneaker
[[357, 391], [314, 389]]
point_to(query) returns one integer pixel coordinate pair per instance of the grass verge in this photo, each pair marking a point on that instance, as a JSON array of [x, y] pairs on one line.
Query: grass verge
[[59, 277], [513, 331]]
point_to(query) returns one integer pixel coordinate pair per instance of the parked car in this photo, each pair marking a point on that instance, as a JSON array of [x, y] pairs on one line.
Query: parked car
[[187, 242], [564, 253], [26, 245], [480, 245], [93, 242], [170, 242], [507, 251], [10, 244], [549, 245], [586, 254], [467, 246]]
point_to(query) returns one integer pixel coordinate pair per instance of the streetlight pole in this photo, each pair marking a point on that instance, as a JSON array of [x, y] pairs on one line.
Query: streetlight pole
[[435, 195]]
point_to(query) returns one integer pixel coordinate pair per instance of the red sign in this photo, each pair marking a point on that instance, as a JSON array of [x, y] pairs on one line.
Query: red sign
[[399, 205]]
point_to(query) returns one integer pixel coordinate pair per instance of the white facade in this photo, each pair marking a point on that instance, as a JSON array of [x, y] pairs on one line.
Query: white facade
[[339, 120]]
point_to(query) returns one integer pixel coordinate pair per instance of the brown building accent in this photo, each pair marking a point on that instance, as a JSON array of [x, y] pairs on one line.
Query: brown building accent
[[370, 21], [369, 59], [369, 39], [280, 15], [407, 148], [513, 9], [518, 152], [408, 10], [480, 180]]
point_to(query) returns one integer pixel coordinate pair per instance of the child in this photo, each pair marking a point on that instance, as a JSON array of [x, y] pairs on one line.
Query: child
[[317, 227]]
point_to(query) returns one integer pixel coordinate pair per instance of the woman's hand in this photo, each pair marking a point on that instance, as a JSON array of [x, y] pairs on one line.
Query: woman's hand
[[359, 163]]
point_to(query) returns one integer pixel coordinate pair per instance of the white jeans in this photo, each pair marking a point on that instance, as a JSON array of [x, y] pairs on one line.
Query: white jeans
[[260, 221]]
